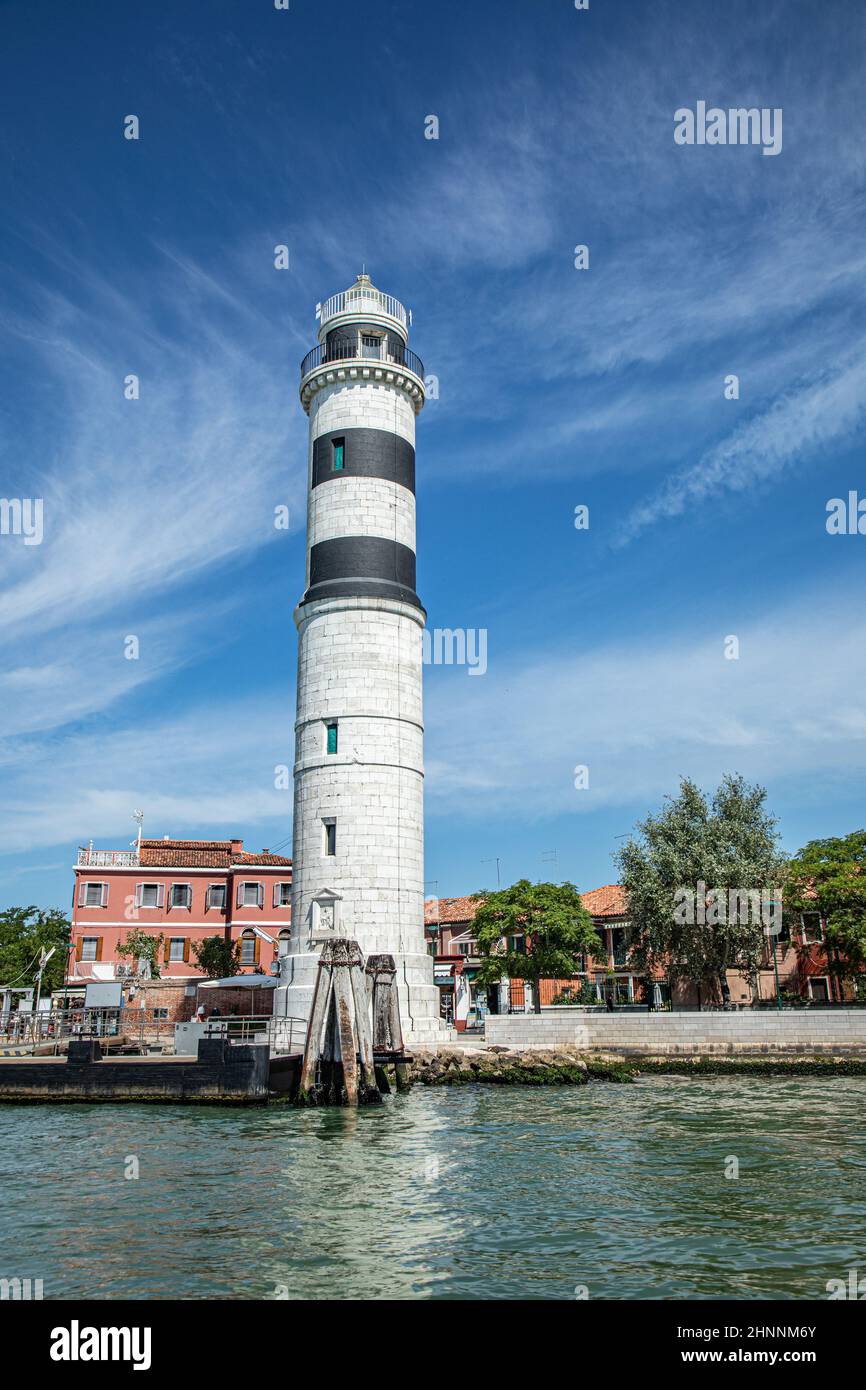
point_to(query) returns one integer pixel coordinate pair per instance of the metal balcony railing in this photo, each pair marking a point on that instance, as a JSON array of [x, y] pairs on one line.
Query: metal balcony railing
[[346, 350], [108, 858], [361, 298]]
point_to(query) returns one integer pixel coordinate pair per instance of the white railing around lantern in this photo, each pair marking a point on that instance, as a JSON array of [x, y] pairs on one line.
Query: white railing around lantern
[[348, 301]]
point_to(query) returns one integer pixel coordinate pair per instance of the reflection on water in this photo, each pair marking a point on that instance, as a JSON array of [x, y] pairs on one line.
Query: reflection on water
[[464, 1193]]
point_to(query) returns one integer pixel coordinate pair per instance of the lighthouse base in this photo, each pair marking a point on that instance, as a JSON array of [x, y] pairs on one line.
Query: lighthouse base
[[419, 998]]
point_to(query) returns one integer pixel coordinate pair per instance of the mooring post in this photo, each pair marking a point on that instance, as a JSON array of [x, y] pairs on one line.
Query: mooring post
[[344, 1023], [315, 1028], [381, 970], [361, 1000], [339, 1036]]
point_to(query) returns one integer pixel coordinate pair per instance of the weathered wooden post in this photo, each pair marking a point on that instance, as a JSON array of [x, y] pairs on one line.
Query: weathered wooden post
[[387, 1028], [319, 1015], [339, 1063], [369, 1091]]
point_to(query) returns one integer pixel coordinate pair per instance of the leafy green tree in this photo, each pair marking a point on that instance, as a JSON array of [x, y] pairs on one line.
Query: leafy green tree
[[728, 843], [24, 933], [142, 945], [549, 920], [217, 957], [829, 877]]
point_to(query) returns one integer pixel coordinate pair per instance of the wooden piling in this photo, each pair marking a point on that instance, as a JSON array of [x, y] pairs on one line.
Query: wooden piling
[[347, 1058]]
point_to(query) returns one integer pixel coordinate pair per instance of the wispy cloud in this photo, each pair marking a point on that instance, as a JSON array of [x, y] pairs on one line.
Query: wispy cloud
[[793, 428], [640, 714]]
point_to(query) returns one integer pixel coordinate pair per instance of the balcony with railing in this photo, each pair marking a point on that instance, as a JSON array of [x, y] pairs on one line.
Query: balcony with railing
[[90, 858], [363, 299], [350, 350]]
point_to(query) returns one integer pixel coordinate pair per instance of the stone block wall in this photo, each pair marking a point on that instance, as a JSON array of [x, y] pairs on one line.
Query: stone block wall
[[794, 1030]]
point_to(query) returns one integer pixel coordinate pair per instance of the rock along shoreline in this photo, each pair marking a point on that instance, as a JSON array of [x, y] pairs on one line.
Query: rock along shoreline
[[568, 1066]]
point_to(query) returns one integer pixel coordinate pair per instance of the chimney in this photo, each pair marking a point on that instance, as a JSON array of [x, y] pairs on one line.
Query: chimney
[[236, 846]]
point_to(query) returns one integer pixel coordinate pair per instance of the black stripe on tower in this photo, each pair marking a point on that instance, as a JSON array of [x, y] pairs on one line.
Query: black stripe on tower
[[349, 566], [366, 454]]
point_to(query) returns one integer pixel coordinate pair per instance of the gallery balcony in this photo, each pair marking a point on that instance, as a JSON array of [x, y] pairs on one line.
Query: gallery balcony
[[345, 350], [350, 361]]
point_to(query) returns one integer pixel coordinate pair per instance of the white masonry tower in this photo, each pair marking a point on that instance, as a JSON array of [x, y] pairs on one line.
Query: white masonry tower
[[358, 834]]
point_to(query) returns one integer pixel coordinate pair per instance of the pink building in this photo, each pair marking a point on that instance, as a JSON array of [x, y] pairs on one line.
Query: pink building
[[186, 890]]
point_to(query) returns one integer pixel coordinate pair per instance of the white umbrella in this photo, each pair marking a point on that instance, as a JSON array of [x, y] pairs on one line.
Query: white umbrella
[[242, 982]]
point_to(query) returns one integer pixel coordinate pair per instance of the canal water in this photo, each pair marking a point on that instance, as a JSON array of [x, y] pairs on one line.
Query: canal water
[[447, 1193]]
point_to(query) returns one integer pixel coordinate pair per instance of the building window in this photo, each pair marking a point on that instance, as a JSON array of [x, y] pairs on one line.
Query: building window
[[819, 989], [517, 944], [216, 895], [371, 344], [283, 944], [339, 448], [250, 895], [469, 948], [160, 1014], [95, 894], [181, 895], [813, 929], [89, 948], [332, 737], [248, 948], [176, 951], [330, 837], [282, 894], [150, 895]]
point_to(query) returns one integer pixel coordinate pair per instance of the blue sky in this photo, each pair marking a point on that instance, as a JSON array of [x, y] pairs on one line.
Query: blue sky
[[558, 387]]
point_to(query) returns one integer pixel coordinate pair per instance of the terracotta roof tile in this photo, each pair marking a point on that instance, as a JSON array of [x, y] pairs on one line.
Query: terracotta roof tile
[[204, 854], [607, 901], [186, 854], [265, 858], [438, 910]]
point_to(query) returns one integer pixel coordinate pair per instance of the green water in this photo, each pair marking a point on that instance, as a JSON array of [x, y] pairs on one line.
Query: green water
[[469, 1193]]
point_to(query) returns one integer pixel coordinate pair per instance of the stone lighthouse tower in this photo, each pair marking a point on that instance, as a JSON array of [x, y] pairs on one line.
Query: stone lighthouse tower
[[358, 848]]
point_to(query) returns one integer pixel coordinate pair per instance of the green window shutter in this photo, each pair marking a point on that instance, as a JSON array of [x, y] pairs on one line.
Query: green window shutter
[[338, 453], [332, 738]]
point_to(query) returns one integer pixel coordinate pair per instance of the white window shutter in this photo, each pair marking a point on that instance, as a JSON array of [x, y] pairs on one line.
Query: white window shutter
[[160, 895], [103, 897], [240, 894], [82, 889], [276, 895], [138, 892], [260, 894]]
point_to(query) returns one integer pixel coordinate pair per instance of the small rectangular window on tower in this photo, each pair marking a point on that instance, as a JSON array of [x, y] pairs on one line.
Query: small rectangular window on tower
[[330, 837], [339, 447], [332, 737]]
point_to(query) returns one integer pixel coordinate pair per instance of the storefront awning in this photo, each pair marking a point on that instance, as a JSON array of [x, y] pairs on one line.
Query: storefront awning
[[443, 974]]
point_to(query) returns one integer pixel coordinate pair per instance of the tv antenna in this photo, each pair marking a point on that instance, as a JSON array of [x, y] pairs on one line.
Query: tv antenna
[[497, 862]]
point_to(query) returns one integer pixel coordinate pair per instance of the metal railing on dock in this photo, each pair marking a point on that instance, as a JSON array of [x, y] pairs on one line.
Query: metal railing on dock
[[283, 1035]]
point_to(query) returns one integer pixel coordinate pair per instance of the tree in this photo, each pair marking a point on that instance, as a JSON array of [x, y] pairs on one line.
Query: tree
[[24, 933], [829, 877], [142, 946], [217, 957], [719, 858], [550, 921]]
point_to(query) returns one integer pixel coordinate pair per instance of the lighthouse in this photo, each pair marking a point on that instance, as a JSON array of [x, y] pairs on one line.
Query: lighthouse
[[358, 831]]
